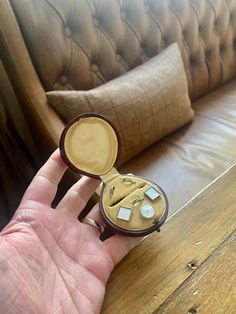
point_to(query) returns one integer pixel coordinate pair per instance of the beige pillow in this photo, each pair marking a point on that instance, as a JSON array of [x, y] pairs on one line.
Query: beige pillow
[[145, 104]]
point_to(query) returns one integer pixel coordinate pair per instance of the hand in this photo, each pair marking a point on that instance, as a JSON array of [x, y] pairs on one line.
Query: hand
[[49, 261]]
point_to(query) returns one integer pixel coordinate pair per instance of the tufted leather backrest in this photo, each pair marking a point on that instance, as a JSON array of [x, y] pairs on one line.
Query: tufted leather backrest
[[80, 44]]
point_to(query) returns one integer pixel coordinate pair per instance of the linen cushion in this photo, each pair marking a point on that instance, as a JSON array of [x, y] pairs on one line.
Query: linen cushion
[[145, 104]]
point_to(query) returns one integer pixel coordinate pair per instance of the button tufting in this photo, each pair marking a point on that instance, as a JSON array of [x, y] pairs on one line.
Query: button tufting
[[232, 17], [94, 67], [141, 51], [192, 60], [165, 40], [185, 33], [142, 45], [200, 29], [68, 32], [222, 48], [234, 43], [63, 80], [119, 52], [208, 53], [216, 23], [118, 57]]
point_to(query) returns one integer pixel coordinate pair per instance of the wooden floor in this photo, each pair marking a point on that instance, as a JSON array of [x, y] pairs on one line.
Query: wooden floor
[[190, 267]]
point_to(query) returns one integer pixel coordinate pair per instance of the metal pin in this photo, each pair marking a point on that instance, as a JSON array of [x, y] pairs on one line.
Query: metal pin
[[112, 190], [128, 180], [137, 200]]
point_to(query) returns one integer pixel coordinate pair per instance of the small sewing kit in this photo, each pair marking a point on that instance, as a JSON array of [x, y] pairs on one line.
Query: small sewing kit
[[129, 205]]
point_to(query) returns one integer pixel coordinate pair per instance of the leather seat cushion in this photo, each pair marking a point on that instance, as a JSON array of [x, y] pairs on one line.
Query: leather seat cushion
[[187, 161]]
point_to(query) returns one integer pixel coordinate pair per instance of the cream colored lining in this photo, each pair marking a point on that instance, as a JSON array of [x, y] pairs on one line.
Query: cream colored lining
[[116, 189], [91, 145]]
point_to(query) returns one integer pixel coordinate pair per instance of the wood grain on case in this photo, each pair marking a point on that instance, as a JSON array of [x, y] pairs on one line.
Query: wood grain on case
[[162, 262]]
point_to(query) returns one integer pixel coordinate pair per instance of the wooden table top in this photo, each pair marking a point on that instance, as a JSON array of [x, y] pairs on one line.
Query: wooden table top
[[190, 267]]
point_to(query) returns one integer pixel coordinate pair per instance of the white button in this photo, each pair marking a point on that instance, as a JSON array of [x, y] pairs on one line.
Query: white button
[[94, 67], [124, 213], [68, 32], [147, 211], [152, 194]]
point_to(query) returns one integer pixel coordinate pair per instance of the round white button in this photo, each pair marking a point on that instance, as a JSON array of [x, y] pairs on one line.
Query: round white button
[[147, 211]]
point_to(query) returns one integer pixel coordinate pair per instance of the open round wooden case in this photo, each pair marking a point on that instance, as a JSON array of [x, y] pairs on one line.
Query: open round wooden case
[[129, 205]]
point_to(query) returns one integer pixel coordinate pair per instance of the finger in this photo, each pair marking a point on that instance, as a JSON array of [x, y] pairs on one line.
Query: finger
[[118, 246], [78, 195], [95, 215], [43, 188]]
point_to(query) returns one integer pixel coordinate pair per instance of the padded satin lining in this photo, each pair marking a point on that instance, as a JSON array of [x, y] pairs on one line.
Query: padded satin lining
[[131, 191], [91, 145]]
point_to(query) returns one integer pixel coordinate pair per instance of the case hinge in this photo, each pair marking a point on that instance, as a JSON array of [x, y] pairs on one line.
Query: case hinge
[[112, 173]]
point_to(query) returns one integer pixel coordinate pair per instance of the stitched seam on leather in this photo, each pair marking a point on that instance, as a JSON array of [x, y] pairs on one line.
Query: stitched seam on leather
[[213, 8], [181, 26], [124, 65], [61, 18], [178, 17], [55, 10], [108, 38], [229, 7], [204, 42], [120, 4], [208, 72], [221, 68], [132, 29], [82, 49], [195, 11], [71, 16], [100, 76], [69, 64], [198, 19], [106, 35], [89, 4], [156, 23]]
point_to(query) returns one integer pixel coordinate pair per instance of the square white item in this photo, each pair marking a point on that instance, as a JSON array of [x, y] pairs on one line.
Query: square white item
[[152, 194], [124, 213]]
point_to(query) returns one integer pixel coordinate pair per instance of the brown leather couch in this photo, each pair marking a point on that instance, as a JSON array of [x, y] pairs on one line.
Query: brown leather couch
[[63, 45]]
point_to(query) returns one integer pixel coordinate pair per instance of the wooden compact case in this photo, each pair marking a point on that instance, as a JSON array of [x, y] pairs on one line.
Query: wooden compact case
[[129, 205]]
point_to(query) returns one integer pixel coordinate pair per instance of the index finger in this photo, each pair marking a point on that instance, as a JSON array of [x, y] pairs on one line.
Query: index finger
[[43, 188]]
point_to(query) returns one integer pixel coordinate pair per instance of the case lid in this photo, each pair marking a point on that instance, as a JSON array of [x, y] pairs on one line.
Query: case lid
[[90, 144]]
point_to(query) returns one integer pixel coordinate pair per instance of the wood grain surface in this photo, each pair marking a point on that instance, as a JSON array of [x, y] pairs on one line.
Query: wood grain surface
[[162, 262], [212, 288]]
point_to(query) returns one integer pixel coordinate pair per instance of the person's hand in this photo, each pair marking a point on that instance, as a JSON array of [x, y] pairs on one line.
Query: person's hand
[[49, 261]]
